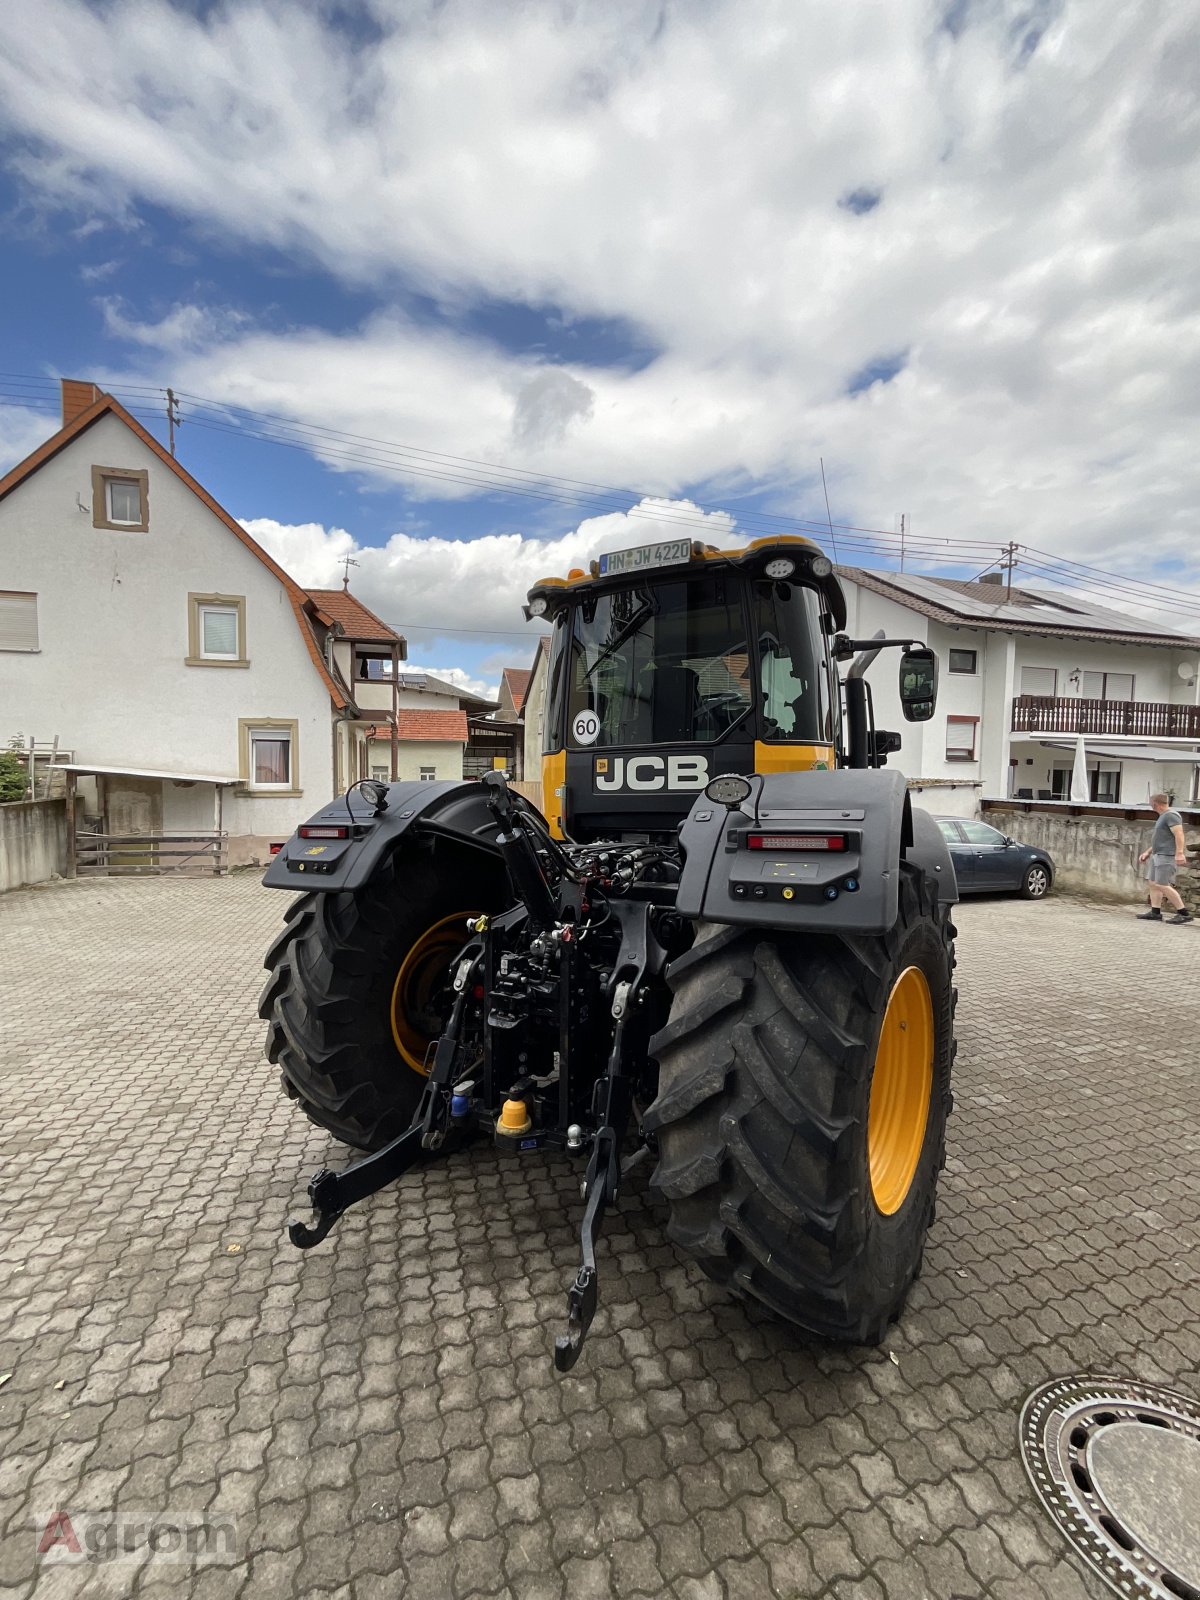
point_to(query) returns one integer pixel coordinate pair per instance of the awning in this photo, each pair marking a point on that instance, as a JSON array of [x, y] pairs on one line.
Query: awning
[[1127, 752], [142, 772]]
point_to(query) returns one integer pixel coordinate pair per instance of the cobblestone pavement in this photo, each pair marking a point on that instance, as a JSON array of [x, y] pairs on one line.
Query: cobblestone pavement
[[381, 1416]]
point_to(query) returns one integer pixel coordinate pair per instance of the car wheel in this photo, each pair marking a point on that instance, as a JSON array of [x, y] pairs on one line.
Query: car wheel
[[1036, 883]]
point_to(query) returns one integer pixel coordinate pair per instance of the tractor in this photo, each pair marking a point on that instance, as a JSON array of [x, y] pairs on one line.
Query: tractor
[[723, 946]]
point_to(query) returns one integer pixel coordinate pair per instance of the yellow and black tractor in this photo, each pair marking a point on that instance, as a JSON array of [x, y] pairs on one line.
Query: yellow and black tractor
[[725, 947]]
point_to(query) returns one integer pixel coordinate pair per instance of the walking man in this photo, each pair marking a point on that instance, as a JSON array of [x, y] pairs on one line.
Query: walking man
[[1165, 855]]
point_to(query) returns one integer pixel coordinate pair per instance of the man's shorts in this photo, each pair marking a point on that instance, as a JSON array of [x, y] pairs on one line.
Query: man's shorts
[[1161, 869]]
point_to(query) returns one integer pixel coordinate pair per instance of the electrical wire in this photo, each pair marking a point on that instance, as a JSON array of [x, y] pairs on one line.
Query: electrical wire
[[340, 448]]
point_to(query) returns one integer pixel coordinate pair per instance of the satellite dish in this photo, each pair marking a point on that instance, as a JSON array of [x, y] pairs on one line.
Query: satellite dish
[[1187, 672]]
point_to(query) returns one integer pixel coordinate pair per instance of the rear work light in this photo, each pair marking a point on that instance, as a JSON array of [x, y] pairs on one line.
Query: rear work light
[[323, 830], [797, 841]]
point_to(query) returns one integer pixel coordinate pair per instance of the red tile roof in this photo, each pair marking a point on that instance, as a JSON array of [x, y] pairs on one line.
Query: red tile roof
[[105, 405], [357, 619], [428, 727], [517, 679]]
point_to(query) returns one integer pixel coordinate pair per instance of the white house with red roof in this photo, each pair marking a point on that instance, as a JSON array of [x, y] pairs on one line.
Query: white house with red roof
[[192, 684]]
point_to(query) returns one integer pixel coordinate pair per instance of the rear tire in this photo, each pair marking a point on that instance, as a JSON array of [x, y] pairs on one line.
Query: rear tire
[[766, 1067], [334, 970]]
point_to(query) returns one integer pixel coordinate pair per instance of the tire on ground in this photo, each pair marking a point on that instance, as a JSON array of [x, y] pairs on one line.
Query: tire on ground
[[328, 1001], [765, 1072]]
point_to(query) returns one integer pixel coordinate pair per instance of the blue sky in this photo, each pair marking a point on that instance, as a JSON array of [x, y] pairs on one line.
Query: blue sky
[[687, 249]]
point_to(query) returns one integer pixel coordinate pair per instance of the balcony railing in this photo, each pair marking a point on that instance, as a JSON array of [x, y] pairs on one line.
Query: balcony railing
[[1143, 719]]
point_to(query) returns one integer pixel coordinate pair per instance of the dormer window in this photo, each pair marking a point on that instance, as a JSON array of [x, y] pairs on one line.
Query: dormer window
[[120, 499]]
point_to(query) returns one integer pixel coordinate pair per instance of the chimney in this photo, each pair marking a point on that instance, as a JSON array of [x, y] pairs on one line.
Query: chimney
[[76, 397], [992, 577]]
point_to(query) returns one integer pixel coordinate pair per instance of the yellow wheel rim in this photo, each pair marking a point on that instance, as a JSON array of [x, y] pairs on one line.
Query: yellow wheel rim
[[900, 1088], [414, 1026]]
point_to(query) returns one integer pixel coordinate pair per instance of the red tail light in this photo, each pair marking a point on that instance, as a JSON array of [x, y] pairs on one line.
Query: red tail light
[[323, 830], [797, 841]]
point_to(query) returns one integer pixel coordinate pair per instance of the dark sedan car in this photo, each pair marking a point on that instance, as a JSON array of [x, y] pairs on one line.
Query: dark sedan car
[[986, 861]]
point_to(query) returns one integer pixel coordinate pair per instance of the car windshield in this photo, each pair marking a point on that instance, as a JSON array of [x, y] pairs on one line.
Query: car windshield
[[676, 663]]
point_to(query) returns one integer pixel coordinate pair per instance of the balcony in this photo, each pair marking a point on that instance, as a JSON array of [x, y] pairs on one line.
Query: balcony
[[1138, 719]]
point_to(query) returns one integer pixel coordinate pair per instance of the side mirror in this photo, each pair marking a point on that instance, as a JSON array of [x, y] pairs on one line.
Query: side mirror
[[918, 684]]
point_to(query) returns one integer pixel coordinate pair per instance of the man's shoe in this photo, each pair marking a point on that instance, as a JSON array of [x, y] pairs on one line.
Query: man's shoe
[[1181, 916], [1150, 916]]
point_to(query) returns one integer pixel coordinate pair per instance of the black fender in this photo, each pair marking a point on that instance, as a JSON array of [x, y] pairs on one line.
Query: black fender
[[456, 811], [850, 884]]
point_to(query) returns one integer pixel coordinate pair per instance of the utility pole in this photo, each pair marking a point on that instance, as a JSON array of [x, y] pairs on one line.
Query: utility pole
[[174, 420], [1007, 565], [902, 530]]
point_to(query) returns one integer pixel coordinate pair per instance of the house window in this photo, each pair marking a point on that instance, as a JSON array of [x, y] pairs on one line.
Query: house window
[[267, 758], [963, 661], [120, 499], [380, 774], [217, 630], [18, 620], [960, 738], [1060, 783], [1105, 784], [428, 774], [1107, 686], [1039, 680]]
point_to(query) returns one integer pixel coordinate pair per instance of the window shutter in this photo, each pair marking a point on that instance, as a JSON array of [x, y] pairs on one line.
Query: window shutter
[[18, 621]]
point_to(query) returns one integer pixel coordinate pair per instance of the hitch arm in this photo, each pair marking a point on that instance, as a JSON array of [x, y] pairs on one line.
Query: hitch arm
[[331, 1193]]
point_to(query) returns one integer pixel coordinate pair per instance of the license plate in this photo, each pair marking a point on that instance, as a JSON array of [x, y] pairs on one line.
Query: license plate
[[674, 553]]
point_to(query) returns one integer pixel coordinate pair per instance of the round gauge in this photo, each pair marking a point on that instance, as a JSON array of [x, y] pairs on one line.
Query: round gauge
[[779, 567], [728, 790], [821, 567]]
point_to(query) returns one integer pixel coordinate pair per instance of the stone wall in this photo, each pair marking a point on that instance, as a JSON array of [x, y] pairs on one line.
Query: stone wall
[[1097, 854], [33, 842]]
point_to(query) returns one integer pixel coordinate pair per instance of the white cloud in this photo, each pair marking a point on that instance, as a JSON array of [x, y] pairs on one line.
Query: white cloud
[[489, 688], [427, 585], [679, 168], [21, 431]]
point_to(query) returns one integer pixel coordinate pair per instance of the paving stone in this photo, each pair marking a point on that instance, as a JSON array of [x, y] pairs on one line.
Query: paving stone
[[381, 1415]]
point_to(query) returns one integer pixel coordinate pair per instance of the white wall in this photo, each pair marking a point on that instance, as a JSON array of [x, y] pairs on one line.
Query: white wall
[[110, 676], [444, 755]]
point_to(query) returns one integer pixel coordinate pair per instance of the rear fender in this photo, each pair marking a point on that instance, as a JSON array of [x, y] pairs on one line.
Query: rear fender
[[452, 810], [852, 890]]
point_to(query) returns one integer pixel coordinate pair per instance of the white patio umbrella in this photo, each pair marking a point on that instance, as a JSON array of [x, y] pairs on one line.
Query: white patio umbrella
[[1080, 793]]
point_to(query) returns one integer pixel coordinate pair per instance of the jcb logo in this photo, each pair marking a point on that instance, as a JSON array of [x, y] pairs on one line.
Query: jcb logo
[[641, 773]]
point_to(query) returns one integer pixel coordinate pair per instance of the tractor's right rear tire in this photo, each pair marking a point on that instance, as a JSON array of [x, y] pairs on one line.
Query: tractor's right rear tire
[[804, 1086], [350, 1051]]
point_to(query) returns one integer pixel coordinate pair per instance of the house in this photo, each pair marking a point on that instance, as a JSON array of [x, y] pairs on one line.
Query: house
[[192, 682], [1024, 674], [497, 737]]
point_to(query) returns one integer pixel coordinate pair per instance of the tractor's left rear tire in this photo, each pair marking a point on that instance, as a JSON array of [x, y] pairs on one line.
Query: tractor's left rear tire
[[804, 1085], [359, 988]]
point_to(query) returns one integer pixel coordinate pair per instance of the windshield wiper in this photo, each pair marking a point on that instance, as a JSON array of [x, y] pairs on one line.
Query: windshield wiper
[[649, 609]]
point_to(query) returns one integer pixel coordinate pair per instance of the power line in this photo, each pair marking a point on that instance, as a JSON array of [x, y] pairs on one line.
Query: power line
[[353, 450]]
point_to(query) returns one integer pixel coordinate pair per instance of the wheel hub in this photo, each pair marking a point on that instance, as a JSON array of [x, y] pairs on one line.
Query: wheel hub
[[900, 1088]]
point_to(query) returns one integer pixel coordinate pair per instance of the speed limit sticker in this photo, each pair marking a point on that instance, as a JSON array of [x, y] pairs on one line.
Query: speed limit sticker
[[586, 727]]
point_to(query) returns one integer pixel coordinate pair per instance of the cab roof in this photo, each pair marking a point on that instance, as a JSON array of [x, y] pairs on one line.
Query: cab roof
[[671, 559]]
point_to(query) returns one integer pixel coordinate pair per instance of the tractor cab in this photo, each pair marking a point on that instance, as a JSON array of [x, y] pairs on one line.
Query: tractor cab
[[672, 663]]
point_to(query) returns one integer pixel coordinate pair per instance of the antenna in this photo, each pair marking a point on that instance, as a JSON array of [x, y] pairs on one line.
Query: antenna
[[828, 517], [347, 563], [174, 420]]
